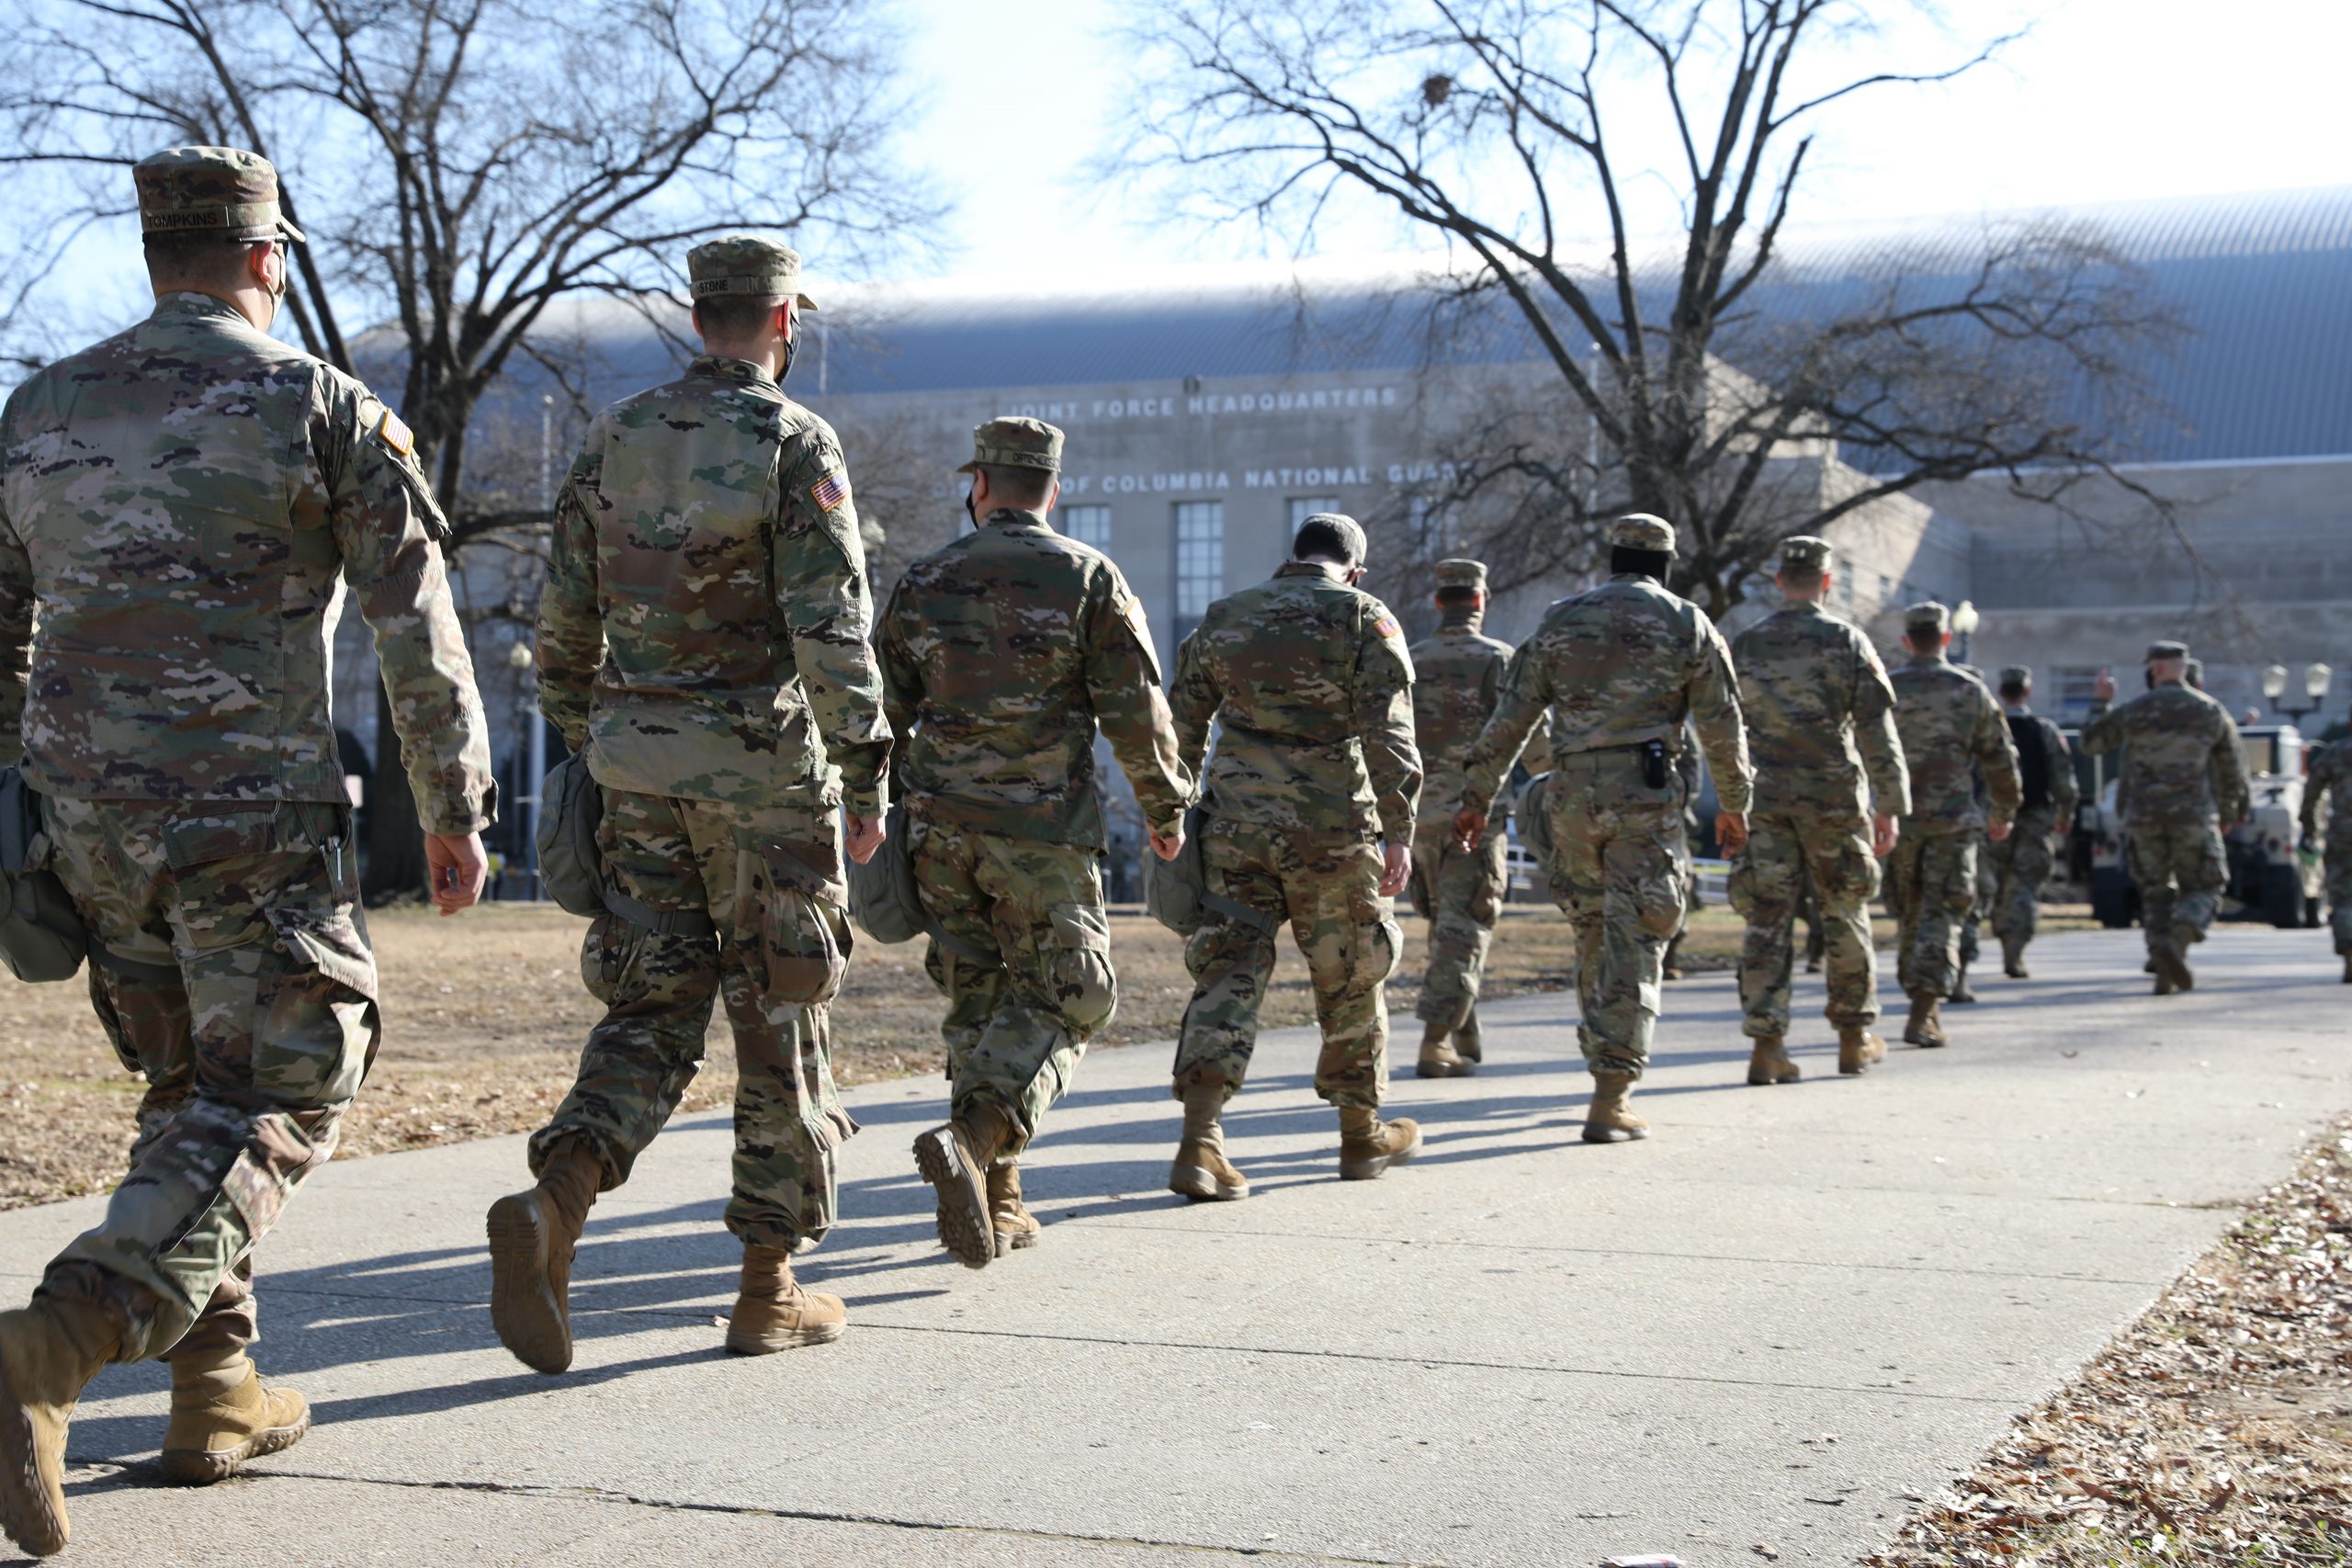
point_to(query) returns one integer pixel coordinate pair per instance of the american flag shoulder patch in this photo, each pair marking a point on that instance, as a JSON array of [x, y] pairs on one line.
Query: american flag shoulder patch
[[1386, 626], [397, 437], [831, 491]]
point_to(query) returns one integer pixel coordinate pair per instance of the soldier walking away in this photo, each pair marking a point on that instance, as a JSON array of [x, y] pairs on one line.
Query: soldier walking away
[[185, 502], [1951, 729], [1620, 669], [2021, 862], [1001, 653], [1457, 680], [1830, 785], [1309, 808], [702, 645], [2327, 828], [2183, 776]]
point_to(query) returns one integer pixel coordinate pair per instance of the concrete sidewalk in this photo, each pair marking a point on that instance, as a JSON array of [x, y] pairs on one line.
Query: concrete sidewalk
[[1769, 1325]]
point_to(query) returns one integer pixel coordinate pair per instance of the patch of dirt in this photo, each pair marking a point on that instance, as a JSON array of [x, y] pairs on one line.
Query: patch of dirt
[[2217, 1430]]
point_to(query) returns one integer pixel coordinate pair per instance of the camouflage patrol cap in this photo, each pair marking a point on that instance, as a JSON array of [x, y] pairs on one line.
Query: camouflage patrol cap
[[1008, 442], [1642, 532], [1927, 618], [1462, 573], [2166, 650], [1350, 535], [222, 191], [745, 263], [2016, 676], [1804, 552]]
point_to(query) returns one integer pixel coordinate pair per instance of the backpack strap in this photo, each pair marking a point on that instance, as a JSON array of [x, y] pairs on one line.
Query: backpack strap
[[666, 922]]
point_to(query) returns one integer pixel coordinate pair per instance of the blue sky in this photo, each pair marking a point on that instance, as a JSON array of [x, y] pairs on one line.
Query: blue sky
[[2106, 99]]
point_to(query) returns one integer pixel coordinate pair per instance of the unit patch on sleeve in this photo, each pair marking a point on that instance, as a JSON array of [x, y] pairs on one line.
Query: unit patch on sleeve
[[831, 491], [1386, 626], [397, 437]]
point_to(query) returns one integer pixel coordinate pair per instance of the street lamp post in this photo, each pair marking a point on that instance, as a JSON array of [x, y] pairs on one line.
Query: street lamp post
[[1963, 623], [535, 755], [2316, 680]]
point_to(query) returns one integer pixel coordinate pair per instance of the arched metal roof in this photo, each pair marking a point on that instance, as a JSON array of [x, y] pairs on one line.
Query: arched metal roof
[[2263, 280]]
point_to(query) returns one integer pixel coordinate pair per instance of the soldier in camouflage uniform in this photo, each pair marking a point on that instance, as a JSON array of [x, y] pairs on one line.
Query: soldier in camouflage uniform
[[1457, 680], [2022, 862], [1620, 669], [2184, 776], [1950, 728], [2327, 826], [1001, 653], [703, 643], [1830, 784], [185, 502], [1309, 802]]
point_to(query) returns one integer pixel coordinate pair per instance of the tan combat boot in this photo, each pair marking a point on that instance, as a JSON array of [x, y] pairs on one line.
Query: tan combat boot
[[533, 1235], [1768, 1062], [1009, 1217], [1202, 1172], [2348, 968], [2013, 958], [1438, 1058], [773, 1312], [48, 1353], [1369, 1145], [955, 1158], [2172, 972], [222, 1416], [1926, 1026], [2183, 939], [1857, 1049], [1607, 1120], [1467, 1044]]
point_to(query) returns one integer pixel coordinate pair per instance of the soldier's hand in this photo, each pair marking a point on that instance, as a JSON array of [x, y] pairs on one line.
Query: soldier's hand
[[1731, 831], [458, 869], [1469, 827], [1997, 832], [1884, 832], [865, 836], [1397, 869], [1167, 846], [2103, 688]]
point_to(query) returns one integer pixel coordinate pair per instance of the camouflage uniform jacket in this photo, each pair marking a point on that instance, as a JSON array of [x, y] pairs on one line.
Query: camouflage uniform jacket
[[187, 501], [1457, 680], [1951, 727], [1624, 663], [2327, 795], [1312, 685], [1820, 717], [2066, 791], [1000, 652], [703, 632], [2181, 763]]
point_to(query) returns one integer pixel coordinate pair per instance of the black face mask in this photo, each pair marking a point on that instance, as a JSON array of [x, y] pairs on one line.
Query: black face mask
[[791, 347], [969, 511]]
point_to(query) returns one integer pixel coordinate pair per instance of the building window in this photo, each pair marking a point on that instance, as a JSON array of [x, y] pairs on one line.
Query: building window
[[1885, 590], [2069, 690], [1200, 558], [1303, 507], [1088, 524]]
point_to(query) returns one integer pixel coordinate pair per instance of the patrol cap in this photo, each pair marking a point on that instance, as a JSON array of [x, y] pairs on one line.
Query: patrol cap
[[1642, 532], [2166, 650], [223, 191], [1805, 553], [1350, 535], [1927, 618], [2016, 676], [745, 263], [1462, 573], [1010, 442]]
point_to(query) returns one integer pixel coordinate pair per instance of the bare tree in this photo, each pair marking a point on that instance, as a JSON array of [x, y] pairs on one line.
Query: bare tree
[[1714, 382], [461, 165]]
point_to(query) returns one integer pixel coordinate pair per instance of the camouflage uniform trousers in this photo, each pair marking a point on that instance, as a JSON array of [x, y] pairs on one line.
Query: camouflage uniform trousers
[[1016, 1025], [1786, 850], [1931, 883], [2019, 866], [1328, 885], [2337, 884], [659, 989], [2180, 868], [252, 1049], [1983, 889], [1619, 861], [1462, 897]]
